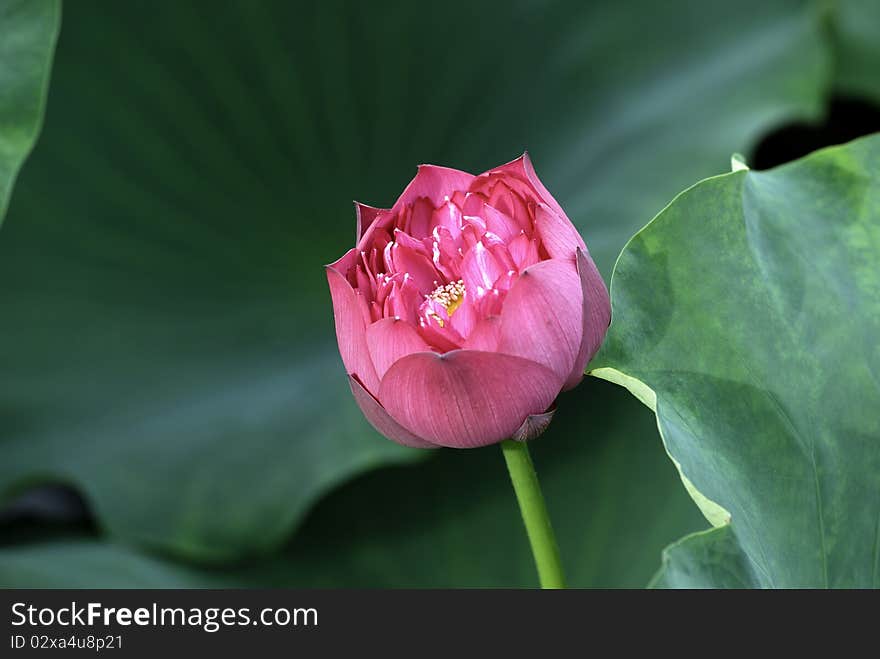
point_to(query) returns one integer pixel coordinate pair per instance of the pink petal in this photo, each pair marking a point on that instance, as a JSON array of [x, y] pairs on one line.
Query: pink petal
[[485, 335], [478, 224], [390, 339], [366, 265], [448, 216], [364, 284], [406, 300], [363, 305], [435, 183], [500, 252], [522, 168], [466, 398], [381, 420], [444, 253], [597, 316], [500, 223], [378, 227], [384, 286], [348, 315], [344, 265], [494, 220], [479, 270], [417, 266], [380, 237], [404, 214], [557, 233], [441, 339], [470, 235], [506, 281], [532, 176], [388, 257], [408, 241], [489, 304], [420, 221], [464, 318], [373, 254], [509, 202], [542, 319], [365, 217], [524, 251]]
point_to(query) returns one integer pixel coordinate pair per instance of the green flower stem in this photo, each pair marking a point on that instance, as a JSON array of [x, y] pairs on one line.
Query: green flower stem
[[534, 513]]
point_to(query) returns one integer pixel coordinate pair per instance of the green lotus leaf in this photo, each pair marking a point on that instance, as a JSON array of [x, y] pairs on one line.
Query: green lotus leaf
[[747, 314], [27, 39]]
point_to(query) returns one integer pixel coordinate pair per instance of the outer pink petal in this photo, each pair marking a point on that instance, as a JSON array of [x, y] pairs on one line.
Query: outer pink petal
[[381, 420], [557, 233], [365, 217], [532, 176], [345, 262], [390, 339], [597, 315], [542, 318], [350, 326], [435, 183], [466, 398]]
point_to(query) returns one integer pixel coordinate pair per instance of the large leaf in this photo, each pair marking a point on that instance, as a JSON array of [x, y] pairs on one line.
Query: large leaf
[[27, 38], [747, 315], [451, 522], [169, 346]]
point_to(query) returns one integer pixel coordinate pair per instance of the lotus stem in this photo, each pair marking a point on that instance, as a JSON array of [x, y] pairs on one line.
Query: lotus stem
[[534, 513]]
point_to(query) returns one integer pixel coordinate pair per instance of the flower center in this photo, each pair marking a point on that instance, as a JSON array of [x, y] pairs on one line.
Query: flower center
[[449, 296]]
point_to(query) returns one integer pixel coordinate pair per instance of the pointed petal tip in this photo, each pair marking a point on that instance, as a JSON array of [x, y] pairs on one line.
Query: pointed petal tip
[[362, 205], [346, 260], [434, 182], [366, 215]]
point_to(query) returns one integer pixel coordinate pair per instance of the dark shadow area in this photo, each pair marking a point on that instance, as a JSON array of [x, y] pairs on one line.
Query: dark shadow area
[[45, 509], [847, 119]]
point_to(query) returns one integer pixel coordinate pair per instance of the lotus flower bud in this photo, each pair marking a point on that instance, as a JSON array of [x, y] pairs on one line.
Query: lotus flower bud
[[466, 308]]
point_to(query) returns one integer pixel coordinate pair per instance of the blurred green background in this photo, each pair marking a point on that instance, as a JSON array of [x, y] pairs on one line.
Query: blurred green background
[[166, 345]]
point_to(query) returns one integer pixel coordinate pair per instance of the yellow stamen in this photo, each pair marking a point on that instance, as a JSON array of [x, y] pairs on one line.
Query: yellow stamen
[[449, 296]]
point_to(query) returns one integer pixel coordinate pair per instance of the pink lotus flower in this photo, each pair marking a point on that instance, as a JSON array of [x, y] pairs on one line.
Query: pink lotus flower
[[466, 308]]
